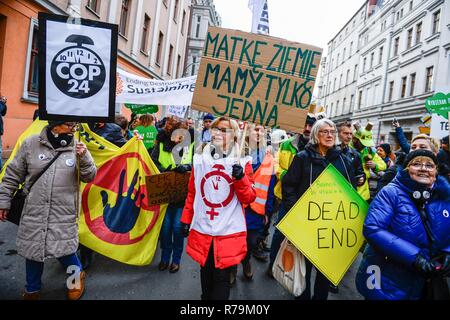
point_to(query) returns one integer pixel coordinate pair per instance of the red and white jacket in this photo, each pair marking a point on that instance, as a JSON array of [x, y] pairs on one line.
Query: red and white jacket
[[214, 209]]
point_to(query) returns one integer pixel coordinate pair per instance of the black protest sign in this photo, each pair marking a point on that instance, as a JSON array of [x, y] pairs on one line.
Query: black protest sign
[[77, 69]]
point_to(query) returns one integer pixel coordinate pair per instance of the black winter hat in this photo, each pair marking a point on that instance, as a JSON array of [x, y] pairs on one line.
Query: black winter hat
[[52, 124], [386, 147], [444, 140], [420, 153]]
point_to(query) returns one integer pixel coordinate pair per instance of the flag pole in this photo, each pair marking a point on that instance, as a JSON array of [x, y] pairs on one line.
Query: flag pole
[[78, 171]]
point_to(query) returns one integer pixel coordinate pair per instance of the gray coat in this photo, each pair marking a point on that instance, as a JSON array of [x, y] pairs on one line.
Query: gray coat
[[48, 228]]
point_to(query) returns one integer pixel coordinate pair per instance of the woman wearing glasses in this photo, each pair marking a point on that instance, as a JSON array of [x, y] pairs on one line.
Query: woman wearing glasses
[[304, 170], [407, 228], [219, 187], [48, 227]]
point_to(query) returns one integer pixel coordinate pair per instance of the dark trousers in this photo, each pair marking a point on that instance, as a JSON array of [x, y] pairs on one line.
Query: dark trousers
[[277, 237], [321, 285], [215, 282], [252, 241]]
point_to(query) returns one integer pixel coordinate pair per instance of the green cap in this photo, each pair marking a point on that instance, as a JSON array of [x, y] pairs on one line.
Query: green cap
[[364, 135]]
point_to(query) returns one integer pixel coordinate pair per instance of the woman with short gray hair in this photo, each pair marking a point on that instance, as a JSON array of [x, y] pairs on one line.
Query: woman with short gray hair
[[304, 170]]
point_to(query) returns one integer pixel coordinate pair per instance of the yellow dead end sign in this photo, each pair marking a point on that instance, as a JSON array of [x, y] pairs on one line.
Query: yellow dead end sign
[[326, 224]]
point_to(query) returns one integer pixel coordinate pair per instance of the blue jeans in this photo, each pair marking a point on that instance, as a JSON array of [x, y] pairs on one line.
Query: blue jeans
[[34, 270], [277, 237], [172, 240]]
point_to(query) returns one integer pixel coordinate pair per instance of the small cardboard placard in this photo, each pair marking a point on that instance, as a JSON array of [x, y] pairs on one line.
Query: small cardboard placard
[[167, 187]]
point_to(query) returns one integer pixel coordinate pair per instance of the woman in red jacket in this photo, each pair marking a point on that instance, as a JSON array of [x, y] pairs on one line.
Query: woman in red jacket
[[220, 184]]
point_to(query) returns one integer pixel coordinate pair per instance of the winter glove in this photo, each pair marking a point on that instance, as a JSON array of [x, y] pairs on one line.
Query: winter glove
[[425, 266], [238, 172], [182, 168], [185, 229], [169, 168], [445, 265]]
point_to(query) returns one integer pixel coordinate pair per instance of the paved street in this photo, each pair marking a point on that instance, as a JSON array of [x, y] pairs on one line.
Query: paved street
[[108, 279]]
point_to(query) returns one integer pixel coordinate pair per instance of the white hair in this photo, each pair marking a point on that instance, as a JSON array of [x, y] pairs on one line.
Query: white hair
[[314, 137]]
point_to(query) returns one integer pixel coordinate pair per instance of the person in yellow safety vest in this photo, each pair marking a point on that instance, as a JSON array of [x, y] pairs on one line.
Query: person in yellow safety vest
[[363, 143], [286, 154], [173, 151], [258, 212]]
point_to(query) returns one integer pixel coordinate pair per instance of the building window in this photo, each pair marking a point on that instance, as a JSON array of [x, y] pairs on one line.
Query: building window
[[197, 29], [347, 79], [352, 100], [331, 110], [403, 92], [436, 20], [380, 55], [344, 107], [169, 66], [391, 91], [372, 58], [396, 44], [145, 34], [364, 64], [124, 17], [343, 56], [183, 22], [175, 11], [355, 72], [337, 108], [410, 5], [350, 49], [429, 79], [409, 39], [194, 62], [94, 5], [340, 81], [337, 60], [334, 85], [178, 67], [412, 84], [160, 44], [33, 67], [360, 98], [418, 32]]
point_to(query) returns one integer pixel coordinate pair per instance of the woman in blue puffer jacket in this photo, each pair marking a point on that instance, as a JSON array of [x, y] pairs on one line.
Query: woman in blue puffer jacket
[[399, 257]]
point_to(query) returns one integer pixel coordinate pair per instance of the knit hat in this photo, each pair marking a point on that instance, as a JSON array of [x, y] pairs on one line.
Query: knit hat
[[52, 124], [420, 153], [311, 119], [444, 140], [208, 116], [386, 147]]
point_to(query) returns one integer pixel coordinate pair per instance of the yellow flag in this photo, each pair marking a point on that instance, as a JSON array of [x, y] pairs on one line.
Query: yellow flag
[[116, 219]]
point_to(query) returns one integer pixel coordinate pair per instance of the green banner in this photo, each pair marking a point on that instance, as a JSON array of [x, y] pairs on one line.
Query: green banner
[[142, 108], [439, 104]]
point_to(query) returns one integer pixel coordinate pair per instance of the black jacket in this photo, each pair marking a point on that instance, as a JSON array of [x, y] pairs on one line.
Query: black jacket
[[354, 158], [306, 168], [111, 132], [444, 162]]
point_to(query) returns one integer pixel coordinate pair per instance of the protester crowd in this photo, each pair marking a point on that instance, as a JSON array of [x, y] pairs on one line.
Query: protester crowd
[[265, 172]]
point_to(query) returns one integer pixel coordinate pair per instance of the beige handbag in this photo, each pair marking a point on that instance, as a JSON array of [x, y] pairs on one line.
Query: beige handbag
[[289, 268]]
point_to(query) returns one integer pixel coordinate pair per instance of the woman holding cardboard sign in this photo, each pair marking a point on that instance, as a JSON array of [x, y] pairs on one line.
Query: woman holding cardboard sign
[[304, 170], [219, 187]]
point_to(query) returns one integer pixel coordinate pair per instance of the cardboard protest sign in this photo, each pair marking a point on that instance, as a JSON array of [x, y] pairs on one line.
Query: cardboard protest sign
[[256, 78], [326, 224], [167, 187], [77, 69]]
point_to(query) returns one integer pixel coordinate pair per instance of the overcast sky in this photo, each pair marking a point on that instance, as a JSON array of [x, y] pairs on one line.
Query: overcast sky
[[311, 22]]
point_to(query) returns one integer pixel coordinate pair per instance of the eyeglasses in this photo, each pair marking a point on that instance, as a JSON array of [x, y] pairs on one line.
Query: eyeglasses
[[418, 166], [222, 130], [327, 132]]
